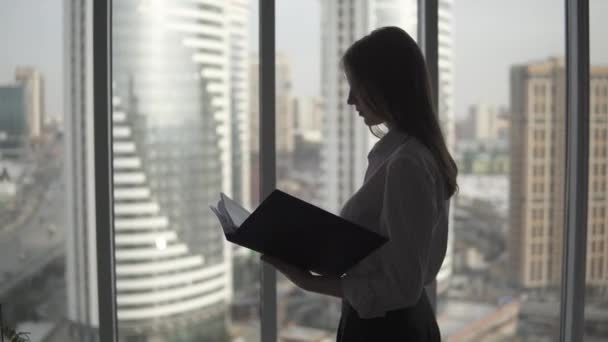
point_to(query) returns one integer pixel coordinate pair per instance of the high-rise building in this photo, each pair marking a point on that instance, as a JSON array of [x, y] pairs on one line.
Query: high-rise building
[[33, 83], [537, 174], [239, 81], [172, 154], [489, 123], [346, 140], [284, 125], [13, 121], [308, 117], [284, 112]]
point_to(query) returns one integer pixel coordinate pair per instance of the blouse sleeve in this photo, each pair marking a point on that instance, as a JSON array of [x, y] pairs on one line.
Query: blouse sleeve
[[408, 214]]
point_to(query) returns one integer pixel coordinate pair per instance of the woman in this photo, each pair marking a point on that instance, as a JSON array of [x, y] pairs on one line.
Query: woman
[[405, 196]]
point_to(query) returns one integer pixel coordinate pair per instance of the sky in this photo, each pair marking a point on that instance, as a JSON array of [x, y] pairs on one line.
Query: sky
[[31, 33], [489, 36]]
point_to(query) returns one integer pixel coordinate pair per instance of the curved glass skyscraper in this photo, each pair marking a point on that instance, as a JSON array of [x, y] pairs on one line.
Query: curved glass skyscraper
[[172, 155], [172, 142]]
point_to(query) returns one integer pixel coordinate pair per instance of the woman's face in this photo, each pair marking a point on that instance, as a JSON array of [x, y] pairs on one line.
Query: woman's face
[[364, 110]]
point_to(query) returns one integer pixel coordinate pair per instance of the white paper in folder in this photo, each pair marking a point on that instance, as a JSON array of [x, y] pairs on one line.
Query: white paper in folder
[[230, 214]]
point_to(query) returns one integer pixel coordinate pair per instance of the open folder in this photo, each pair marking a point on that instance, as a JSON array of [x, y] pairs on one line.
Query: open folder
[[298, 233]]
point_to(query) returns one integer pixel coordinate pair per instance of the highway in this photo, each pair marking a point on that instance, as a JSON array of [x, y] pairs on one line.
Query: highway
[[39, 239]]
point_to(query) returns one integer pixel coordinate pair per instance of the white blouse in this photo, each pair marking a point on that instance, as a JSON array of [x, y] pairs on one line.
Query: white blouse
[[403, 198]]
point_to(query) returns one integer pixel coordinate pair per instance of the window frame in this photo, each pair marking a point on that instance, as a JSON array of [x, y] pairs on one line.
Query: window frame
[[577, 156]]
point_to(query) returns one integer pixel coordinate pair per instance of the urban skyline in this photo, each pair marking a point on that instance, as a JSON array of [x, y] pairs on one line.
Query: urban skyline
[[182, 135]]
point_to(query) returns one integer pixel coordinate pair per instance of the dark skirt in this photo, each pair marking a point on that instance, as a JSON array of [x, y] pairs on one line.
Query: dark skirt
[[416, 323]]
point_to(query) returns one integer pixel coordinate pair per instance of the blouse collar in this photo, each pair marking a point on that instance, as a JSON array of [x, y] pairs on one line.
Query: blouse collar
[[387, 144]]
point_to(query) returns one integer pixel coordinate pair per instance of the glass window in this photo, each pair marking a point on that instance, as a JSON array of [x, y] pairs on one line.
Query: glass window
[[323, 161], [182, 90], [306, 46], [48, 272], [505, 271]]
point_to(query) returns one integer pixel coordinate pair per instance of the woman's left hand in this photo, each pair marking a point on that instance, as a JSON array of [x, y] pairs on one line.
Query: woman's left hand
[[297, 275]]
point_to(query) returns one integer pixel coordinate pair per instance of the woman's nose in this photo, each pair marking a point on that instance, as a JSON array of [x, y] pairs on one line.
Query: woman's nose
[[350, 100]]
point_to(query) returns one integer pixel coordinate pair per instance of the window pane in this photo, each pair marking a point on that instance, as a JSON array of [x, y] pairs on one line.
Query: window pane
[[502, 78], [302, 315], [181, 89], [596, 296], [48, 276], [322, 144]]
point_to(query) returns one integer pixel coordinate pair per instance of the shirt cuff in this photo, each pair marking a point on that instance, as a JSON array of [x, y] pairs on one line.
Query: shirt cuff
[[358, 292]]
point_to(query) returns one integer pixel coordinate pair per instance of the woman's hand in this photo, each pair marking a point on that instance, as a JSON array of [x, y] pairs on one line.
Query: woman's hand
[[305, 280], [298, 276]]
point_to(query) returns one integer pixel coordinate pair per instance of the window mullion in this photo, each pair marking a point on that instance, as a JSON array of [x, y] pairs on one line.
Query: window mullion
[[268, 300], [577, 159], [428, 39], [102, 121]]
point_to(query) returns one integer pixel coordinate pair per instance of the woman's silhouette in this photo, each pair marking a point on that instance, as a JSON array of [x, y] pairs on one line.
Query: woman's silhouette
[[405, 196]]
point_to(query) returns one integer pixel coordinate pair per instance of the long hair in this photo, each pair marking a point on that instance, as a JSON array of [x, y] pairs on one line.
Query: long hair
[[387, 71]]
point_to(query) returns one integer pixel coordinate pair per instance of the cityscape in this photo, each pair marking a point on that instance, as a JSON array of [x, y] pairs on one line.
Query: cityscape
[[185, 123]]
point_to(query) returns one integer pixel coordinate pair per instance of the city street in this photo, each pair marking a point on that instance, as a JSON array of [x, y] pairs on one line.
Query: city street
[[39, 238], [25, 250]]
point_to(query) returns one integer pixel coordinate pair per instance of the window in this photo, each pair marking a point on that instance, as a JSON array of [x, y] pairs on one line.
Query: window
[[182, 279], [48, 269], [159, 226], [527, 82]]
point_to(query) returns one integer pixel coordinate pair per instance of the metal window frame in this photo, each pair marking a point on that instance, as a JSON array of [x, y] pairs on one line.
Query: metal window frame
[[102, 123], [428, 39], [572, 307], [577, 134], [267, 132]]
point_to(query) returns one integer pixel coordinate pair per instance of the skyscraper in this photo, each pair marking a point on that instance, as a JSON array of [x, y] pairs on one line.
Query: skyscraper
[[32, 81], [239, 81], [346, 139], [489, 123], [285, 131], [538, 170], [172, 152], [13, 121]]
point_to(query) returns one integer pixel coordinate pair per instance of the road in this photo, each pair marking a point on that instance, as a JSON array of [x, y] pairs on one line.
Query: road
[[39, 238], [24, 250]]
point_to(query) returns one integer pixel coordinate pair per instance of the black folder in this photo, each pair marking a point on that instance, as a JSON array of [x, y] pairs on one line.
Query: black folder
[[304, 235]]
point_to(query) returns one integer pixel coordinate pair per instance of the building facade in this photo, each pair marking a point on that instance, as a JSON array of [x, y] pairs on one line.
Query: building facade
[[33, 83], [173, 68], [489, 123], [284, 124], [13, 118], [538, 172], [238, 16]]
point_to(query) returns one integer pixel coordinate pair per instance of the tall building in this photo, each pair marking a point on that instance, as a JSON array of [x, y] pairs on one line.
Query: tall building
[[538, 170], [346, 139], [284, 125], [308, 117], [173, 65], [239, 95], [489, 123], [13, 121], [33, 83], [284, 117]]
